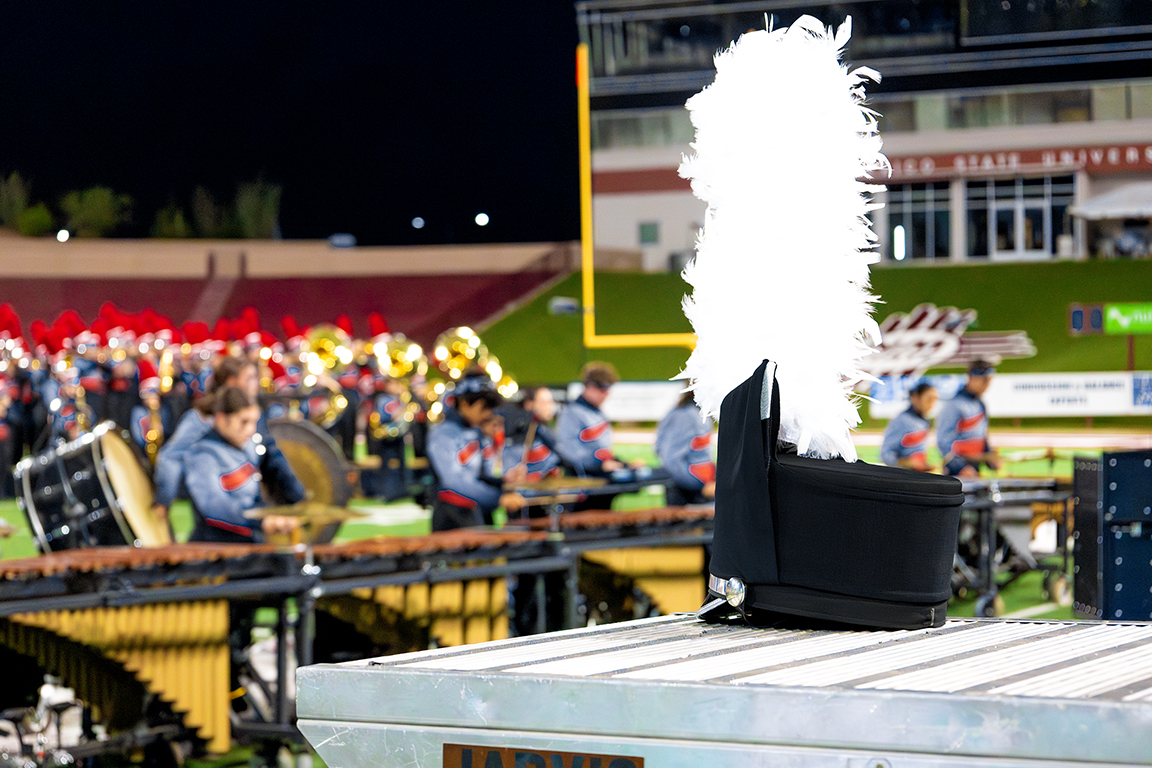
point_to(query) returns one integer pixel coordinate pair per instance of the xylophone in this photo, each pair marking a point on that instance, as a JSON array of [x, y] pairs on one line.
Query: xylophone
[[122, 624]]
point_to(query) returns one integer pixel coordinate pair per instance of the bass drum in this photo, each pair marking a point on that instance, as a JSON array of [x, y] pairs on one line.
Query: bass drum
[[91, 492], [319, 464]]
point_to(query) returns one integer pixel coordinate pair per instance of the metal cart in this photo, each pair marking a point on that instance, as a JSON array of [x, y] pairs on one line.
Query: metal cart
[[675, 692]]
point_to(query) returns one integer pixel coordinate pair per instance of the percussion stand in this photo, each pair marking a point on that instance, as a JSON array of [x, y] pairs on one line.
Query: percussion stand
[[16, 715]]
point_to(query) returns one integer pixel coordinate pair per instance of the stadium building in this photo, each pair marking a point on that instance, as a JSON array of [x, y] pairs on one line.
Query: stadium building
[[1016, 129]]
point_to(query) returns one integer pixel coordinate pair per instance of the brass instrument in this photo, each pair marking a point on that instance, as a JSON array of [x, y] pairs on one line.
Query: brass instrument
[[400, 358], [458, 349], [326, 350]]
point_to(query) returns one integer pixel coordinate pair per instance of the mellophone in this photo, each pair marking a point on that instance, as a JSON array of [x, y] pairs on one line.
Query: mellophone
[[92, 491]]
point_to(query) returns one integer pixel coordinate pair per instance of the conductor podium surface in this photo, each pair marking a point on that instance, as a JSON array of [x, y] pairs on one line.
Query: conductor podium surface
[[674, 692]]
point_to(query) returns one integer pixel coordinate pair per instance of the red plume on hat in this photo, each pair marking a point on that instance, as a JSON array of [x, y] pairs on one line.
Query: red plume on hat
[[150, 319], [290, 326], [70, 322], [378, 328], [269, 341], [9, 322], [196, 332], [149, 376], [223, 330], [39, 332], [344, 323], [280, 378], [293, 336], [54, 340], [250, 317]]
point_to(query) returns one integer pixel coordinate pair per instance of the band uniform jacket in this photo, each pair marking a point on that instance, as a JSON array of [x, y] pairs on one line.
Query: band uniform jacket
[[684, 445], [456, 452], [962, 431], [223, 482], [142, 423], [906, 437], [168, 474], [584, 437], [540, 458]]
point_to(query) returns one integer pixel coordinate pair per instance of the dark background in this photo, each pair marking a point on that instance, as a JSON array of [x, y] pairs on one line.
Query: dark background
[[367, 113]]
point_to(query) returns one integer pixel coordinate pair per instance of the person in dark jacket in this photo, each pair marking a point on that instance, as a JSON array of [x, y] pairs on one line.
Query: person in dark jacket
[[906, 437], [466, 496], [684, 445], [583, 432], [168, 475], [528, 440], [222, 475], [962, 427]]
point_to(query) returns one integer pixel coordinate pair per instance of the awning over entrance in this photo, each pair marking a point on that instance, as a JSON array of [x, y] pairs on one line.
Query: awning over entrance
[[1131, 201]]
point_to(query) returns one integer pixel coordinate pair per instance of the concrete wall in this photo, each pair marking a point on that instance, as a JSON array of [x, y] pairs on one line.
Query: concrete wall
[[105, 258]]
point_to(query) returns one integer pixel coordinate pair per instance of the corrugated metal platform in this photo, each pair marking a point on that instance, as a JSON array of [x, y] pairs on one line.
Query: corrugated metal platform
[[677, 692]]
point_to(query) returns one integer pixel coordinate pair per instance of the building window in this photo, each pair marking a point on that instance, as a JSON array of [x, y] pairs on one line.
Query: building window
[[649, 233], [919, 221], [642, 128], [1017, 218], [1041, 107]]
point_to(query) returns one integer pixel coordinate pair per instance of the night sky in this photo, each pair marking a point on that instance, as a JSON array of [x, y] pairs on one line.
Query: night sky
[[367, 113]]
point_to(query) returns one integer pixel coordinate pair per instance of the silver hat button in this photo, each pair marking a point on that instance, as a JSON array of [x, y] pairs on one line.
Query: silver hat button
[[734, 592]]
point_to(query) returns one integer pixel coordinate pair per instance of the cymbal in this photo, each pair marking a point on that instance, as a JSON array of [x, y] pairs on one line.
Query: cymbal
[[306, 510]]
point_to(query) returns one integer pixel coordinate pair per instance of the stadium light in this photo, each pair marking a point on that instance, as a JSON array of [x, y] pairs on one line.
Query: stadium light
[[481, 219], [418, 223], [899, 249]]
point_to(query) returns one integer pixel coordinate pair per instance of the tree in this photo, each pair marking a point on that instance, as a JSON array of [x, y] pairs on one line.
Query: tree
[[95, 212], [258, 209], [212, 221], [170, 223], [13, 199], [35, 221]]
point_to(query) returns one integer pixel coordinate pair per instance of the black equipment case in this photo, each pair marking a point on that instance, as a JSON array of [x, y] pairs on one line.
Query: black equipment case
[[852, 543], [1112, 536]]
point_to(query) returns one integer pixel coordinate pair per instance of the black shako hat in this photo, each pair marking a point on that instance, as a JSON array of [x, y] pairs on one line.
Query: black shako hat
[[851, 543]]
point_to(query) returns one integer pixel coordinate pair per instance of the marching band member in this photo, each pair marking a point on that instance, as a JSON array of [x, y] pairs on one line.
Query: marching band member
[[583, 433], [962, 426], [152, 419], [222, 475], [684, 445], [528, 440], [7, 437], [169, 472], [905, 441], [465, 495], [384, 431]]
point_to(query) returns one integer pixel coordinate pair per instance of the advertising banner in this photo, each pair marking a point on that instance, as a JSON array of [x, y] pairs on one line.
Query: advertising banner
[[1023, 395], [633, 401], [1120, 319]]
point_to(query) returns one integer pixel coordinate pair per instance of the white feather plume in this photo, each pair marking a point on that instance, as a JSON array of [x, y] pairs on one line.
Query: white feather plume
[[781, 266]]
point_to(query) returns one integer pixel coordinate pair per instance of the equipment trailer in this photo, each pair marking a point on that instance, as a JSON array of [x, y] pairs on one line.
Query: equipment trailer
[[674, 692]]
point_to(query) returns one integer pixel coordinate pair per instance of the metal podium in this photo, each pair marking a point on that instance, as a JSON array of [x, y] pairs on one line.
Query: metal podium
[[675, 692]]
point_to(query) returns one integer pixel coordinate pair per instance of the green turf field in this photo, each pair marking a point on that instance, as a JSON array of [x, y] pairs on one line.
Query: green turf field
[[535, 346], [404, 519]]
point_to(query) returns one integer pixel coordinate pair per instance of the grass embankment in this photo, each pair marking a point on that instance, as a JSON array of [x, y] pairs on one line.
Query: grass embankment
[[538, 347]]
